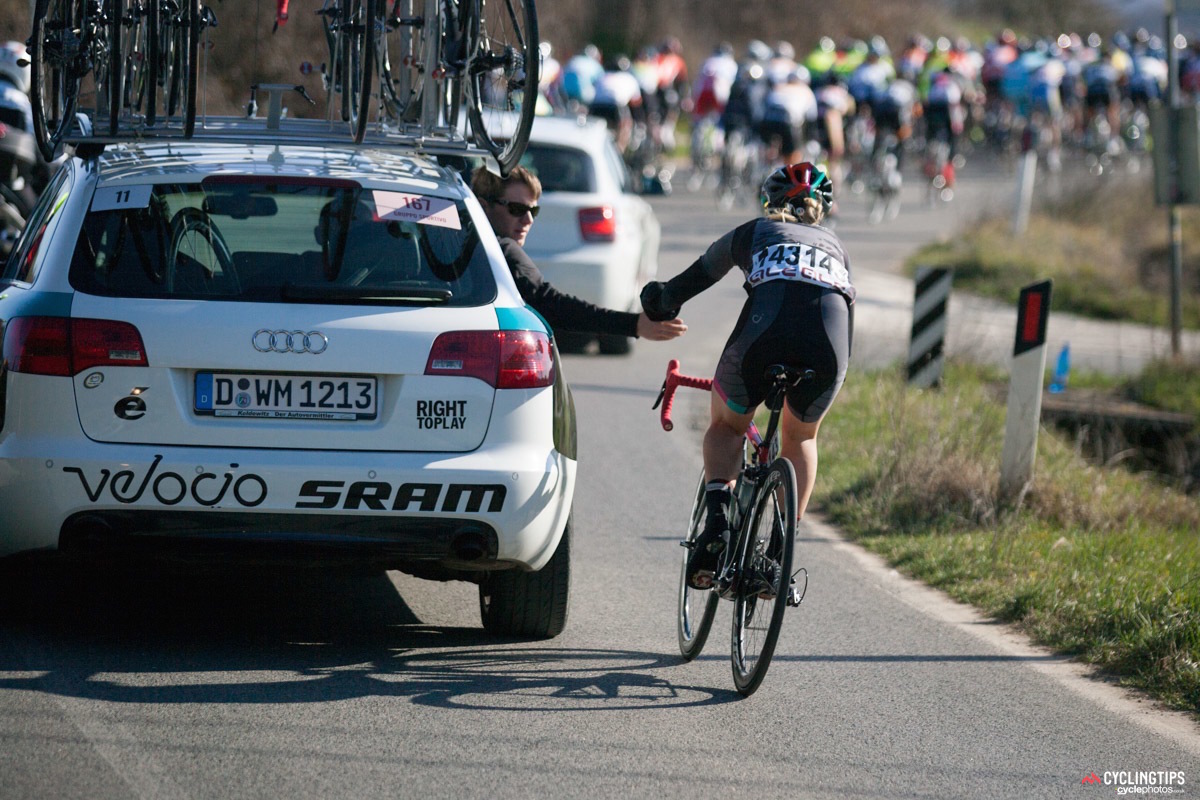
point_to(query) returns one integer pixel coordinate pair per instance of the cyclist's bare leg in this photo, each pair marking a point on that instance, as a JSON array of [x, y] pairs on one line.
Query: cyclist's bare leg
[[723, 441], [798, 444]]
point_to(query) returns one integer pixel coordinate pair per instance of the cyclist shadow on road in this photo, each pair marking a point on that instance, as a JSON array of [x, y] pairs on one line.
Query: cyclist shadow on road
[[183, 636]]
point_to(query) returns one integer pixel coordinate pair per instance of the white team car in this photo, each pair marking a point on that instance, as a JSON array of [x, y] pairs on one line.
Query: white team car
[[595, 238], [311, 352]]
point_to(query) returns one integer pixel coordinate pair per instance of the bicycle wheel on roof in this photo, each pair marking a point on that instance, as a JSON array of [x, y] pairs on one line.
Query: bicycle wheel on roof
[[140, 60], [108, 64], [56, 57], [358, 66], [350, 31], [502, 77], [179, 37]]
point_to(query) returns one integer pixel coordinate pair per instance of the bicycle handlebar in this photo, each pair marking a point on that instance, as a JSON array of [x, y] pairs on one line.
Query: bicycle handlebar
[[666, 396]]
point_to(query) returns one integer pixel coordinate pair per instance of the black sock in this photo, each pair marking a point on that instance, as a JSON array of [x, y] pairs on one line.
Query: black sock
[[716, 498]]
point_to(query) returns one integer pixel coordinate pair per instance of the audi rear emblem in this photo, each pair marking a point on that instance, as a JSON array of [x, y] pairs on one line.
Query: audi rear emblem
[[266, 341]]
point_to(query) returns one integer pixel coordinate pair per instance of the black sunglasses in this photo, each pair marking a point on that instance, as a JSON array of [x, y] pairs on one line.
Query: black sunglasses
[[518, 209]]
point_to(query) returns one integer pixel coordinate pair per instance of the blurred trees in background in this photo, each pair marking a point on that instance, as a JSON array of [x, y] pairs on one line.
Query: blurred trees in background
[[244, 50]]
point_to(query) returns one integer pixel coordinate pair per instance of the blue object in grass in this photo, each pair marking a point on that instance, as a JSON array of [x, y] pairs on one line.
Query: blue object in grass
[[1062, 369]]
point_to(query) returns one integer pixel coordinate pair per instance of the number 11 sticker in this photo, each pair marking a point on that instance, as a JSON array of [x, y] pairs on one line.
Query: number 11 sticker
[[109, 198]]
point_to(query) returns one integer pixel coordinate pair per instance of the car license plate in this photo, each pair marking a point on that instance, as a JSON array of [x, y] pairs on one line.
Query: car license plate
[[319, 397]]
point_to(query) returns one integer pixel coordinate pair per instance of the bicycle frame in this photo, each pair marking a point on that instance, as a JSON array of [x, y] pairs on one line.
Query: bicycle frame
[[754, 570], [761, 451]]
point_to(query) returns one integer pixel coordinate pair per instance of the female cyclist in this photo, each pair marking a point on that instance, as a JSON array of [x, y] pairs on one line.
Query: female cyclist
[[798, 313]]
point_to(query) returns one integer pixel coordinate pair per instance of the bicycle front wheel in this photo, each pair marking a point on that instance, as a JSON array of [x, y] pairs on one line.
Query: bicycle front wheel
[[179, 54], [697, 607], [358, 34], [140, 44], [502, 78], [764, 576]]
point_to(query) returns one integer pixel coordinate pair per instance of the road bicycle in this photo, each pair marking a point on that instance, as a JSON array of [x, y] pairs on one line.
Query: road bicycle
[[73, 40], [109, 59], [435, 57], [741, 169], [755, 569], [349, 27], [885, 180], [136, 62], [939, 172], [175, 68]]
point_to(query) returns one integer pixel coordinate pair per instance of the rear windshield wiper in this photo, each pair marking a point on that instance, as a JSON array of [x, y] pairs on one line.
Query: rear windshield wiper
[[365, 295]]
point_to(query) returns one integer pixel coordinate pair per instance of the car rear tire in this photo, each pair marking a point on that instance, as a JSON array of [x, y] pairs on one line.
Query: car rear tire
[[529, 604], [614, 345]]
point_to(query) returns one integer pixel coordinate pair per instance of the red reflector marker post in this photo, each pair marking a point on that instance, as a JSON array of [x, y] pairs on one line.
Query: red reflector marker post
[[1025, 391]]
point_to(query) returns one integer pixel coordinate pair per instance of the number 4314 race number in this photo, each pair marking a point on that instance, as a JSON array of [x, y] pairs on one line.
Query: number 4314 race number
[[799, 262]]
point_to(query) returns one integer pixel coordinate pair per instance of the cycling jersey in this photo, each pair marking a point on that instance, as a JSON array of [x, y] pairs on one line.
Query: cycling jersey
[[711, 91], [798, 311], [579, 78]]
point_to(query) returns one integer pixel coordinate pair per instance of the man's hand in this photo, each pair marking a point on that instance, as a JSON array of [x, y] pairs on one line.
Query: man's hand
[[659, 331]]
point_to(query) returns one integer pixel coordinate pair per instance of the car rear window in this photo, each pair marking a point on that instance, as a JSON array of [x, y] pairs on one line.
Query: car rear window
[[251, 240], [560, 169]]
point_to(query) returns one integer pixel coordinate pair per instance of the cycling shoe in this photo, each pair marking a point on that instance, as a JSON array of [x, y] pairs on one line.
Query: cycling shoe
[[705, 553]]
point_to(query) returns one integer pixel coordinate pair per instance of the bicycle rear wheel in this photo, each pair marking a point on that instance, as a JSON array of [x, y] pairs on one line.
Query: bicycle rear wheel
[[502, 78], [55, 52], [764, 576], [697, 607]]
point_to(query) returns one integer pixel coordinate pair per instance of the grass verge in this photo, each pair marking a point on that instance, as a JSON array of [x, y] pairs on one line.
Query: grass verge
[[1100, 564], [1104, 244]]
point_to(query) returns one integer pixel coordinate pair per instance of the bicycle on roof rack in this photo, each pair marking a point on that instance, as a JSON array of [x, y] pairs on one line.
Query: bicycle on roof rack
[[755, 569], [131, 67], [431, 59], [111, 60], [479, 54], [73, 40]]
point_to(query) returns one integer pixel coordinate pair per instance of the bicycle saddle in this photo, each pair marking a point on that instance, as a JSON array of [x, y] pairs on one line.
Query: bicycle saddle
[[789, 375]]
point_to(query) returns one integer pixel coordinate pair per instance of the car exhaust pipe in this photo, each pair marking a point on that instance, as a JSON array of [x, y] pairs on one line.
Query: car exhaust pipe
[[469, 545], [84, 533]]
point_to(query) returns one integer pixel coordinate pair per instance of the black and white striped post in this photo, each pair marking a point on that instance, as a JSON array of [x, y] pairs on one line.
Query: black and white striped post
[[926, 347], [1025, 391]]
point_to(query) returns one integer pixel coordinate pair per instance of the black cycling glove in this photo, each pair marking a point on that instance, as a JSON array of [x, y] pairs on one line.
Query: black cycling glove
[[652, 302]]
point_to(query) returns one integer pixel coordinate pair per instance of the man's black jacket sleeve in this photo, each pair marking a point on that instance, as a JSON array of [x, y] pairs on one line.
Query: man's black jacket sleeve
[[564, 312]]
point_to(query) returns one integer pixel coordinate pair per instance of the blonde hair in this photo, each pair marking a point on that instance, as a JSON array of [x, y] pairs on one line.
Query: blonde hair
[[489, 186], [809, 213]]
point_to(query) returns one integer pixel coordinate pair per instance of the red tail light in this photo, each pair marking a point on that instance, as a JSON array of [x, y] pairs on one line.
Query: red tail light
[[503, 359], [598, 224], [63, 346]]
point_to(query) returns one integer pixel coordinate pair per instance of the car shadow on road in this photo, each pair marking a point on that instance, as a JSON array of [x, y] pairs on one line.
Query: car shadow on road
[[205, 636]]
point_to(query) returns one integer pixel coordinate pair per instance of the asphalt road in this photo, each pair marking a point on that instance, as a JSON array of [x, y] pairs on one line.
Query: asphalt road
[[158, 684]]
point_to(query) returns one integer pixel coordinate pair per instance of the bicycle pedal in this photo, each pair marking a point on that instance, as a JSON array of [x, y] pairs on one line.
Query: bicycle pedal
[[690, 544]]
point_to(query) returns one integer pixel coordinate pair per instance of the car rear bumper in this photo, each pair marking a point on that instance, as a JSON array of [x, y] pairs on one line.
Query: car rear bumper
[[504, 506]]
